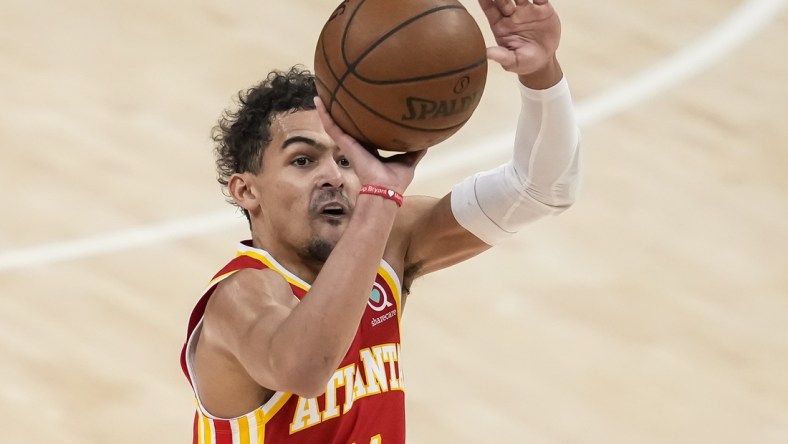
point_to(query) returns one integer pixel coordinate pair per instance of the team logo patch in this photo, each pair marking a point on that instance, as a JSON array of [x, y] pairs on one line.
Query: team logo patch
[[379, 298]]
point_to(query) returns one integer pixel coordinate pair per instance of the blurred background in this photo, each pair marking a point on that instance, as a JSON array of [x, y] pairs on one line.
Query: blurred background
[[654, 311]]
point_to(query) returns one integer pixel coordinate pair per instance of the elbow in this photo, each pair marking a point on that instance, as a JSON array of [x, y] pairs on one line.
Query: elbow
[[305, 379], [563, 198], [563, 194], [297, 369], [559, 199], [309, 390], [567, 199], [311, 379], [309, 385]]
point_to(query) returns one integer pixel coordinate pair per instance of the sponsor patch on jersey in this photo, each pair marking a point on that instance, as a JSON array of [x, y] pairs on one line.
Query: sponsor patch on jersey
[[379, 298]]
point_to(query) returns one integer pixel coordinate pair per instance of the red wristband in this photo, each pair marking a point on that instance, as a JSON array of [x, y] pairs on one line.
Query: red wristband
[[382, 192]]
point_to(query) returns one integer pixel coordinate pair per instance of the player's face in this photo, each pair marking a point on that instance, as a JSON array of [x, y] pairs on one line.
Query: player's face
[[307, 187]]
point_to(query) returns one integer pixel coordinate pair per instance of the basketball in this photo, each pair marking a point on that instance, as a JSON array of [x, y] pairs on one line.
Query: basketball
[[400, 75]]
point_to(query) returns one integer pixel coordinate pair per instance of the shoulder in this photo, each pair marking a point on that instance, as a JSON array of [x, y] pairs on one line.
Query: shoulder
[[240, 304], [249, 291]]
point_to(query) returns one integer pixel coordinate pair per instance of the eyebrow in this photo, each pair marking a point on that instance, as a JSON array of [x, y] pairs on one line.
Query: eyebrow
[[299, 139]]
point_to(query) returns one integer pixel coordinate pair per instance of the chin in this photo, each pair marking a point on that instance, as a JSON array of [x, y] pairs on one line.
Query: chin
[[324, 238], [332, 236], [331, 228], [319, 249]]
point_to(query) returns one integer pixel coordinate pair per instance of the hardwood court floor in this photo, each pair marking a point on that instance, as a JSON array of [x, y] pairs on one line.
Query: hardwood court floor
[[654, 311]]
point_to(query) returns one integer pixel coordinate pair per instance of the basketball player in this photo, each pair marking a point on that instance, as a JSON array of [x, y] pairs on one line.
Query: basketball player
[[296, 339]]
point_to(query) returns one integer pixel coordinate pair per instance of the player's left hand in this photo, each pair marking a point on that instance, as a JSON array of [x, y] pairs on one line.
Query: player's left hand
[[527, 33]]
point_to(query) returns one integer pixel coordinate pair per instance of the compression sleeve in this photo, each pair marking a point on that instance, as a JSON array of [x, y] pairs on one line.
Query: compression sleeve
[[541, 179]]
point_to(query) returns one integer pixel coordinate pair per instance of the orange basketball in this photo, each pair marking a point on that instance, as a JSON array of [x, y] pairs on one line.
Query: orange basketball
[[400, 75]]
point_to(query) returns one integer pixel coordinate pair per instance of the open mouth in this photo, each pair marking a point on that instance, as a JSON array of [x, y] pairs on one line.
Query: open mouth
[[333, 210]]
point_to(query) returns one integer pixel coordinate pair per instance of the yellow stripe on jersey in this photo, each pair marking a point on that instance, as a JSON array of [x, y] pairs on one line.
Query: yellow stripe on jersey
[[285, 274], [206, 429], [243, 430], [201, 429], [277, 405], [392, 283], [221, 277], [260, 425]]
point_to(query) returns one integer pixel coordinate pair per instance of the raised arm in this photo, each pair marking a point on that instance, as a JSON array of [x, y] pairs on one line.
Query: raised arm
[[543, 175]]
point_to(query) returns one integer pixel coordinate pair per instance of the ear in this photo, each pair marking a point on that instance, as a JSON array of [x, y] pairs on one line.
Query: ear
[[240, 188]]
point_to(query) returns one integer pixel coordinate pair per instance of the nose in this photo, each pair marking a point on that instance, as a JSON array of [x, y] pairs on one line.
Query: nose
[[330, 175]]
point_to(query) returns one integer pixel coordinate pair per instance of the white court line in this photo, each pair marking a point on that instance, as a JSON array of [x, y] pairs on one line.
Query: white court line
[[741, 24]]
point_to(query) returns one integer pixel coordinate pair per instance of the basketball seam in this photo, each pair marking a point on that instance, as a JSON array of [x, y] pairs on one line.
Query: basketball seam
[[387, 119], [422, 78], [351, 67], [339, 104], [332, 94], [348, 67]]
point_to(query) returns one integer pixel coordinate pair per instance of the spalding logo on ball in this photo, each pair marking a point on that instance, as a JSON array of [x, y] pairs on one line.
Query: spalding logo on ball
[[400, 75]]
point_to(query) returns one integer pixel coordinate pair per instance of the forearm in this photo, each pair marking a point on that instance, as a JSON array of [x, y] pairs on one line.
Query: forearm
[[544, 174], [322, 326], [547, 150]]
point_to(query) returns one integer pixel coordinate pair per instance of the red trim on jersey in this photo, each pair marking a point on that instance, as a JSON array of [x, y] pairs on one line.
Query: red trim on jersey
[[239, 263], [195, 430], [223, 431]]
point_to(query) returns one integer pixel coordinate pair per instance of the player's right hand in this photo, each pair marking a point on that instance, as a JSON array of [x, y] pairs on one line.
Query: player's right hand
[[395, 172]]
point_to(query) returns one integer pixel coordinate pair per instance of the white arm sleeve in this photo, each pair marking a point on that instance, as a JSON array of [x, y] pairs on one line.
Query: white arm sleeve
[[541, 179]]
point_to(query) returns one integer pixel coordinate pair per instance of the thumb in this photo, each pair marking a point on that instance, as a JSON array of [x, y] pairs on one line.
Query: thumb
[[501, 55]]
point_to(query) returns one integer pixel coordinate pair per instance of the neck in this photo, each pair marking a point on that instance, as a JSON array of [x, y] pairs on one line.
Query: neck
[[305, 268]]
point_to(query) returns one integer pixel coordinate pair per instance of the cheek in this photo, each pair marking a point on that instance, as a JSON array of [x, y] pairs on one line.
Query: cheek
[[292, 219], [287, 206], [287, 191]]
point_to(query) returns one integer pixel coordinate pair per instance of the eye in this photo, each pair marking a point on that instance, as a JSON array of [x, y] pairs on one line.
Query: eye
[[344, 163], [301, 161]]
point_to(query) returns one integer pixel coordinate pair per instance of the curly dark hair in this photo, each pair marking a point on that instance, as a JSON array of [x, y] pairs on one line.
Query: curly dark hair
[[242, 135]]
